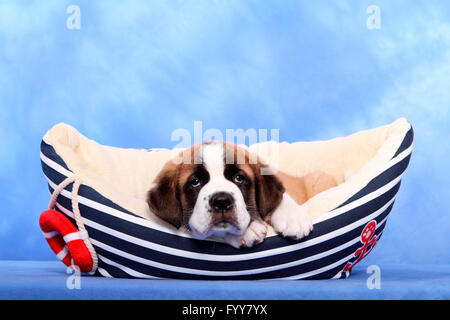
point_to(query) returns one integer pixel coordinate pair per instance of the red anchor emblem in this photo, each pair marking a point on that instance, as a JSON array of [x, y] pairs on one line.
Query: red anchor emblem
[[368, 238]]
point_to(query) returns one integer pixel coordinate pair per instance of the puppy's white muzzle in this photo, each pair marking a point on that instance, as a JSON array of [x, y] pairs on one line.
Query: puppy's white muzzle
[[220, 209]]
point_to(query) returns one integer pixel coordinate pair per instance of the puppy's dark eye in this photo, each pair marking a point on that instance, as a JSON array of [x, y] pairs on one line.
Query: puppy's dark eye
[[195, 182], [239, 178]]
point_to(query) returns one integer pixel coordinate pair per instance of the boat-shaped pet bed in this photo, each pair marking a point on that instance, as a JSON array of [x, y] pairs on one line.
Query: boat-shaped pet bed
[[99, 222]]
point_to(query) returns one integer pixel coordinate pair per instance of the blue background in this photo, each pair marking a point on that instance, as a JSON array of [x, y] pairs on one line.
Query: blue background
[[138, 70]]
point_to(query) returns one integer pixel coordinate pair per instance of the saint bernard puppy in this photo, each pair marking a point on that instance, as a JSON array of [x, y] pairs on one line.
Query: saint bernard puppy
[[217, 189]]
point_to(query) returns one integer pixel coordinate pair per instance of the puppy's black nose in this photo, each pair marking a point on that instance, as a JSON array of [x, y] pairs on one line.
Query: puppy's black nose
[[221, 201]]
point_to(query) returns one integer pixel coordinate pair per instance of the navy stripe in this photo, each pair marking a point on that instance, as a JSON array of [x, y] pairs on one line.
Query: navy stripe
[[91, 194], [329, 273], [334, 271], [209, 247], [54, 175], [50, 153], [157, 272], [63, 201], [187, 262], [112, 270], [286, 272], [378, 233], [370, 206], [225, 266], [69, 218], [406, 143], [84, 190], [390, 174], [379, 181], [354, 214]]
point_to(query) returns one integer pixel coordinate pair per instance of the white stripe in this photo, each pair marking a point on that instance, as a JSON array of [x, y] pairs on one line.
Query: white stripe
[[359, 202], [84, 235], [238, 257], [137, 274], [116, 213], [127, 270], [51, 234], [45, 138], [152, 245], [370, 196], [158, 247], [55, 166], [65, 211], [72, 236], [317, 271], [104, 273], [152, 263], [328, 267], [402, 155], [250, 271], [63, 253]]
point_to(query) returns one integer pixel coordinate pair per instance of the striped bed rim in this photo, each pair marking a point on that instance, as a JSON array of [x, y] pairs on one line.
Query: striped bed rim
[[129, 246]]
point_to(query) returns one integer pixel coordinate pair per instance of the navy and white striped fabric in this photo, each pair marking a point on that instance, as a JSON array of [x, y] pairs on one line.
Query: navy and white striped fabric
[[129, 246]]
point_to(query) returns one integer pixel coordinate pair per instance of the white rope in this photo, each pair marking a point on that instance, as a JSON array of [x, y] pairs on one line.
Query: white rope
[[80, 224], [77, 214], [58, 190]]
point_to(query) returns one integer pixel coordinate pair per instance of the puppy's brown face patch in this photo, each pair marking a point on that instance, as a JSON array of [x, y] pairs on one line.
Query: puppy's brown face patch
[[242, 176], [176, 189], [262, 192], [191, 182]]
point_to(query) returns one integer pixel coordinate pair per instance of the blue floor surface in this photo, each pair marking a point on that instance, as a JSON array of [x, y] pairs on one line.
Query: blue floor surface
[[48, 280]]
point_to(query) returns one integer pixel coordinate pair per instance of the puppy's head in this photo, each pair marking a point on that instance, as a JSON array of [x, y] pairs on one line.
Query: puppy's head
[[213, 189]]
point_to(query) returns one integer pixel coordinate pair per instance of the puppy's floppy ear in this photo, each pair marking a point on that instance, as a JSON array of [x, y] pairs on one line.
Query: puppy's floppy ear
[[163, 199], [268, 190]]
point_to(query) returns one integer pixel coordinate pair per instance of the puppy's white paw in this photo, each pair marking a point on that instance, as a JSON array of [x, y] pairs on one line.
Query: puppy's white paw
[[291, 219], [255, 233]]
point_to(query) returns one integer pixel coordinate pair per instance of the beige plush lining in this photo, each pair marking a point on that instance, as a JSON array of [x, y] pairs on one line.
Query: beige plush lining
[[125, 175]]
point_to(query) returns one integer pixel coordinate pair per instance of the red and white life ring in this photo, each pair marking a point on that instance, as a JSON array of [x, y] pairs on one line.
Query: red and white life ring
[[65, 240]]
